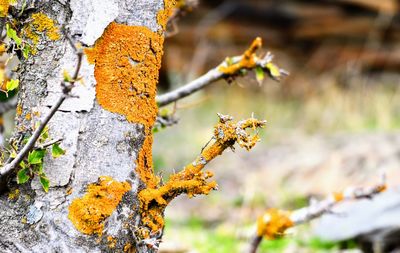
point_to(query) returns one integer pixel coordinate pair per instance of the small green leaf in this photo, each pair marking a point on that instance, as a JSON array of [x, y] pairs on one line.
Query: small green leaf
[[12, 34], [45, 134], [38, 168], [45, 182], [57, 151], [26, 51], [67, 76], [229, 61], [259, 74], [23, 175], [274, 71], [22, 164], [13, 84], [36, 156]]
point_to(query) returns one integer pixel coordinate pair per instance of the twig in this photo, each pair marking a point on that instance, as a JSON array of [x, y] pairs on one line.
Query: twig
[[273, 223], [231, 67], [66, 89], [48, 144]]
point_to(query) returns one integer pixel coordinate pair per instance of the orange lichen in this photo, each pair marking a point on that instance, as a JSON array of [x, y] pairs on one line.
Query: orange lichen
[[382, 188], [248, 60], [192, 180], [4, 5], [41, 24], [338, 196], [102, 198], [127, 247], [28, 116], [111, 242], [273, 223], [164, 14], [2, 48], [127, 60], [69, 191], [19, 110]]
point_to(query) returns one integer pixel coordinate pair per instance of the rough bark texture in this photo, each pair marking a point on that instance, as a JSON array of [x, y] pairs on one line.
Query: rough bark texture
[[98, 142]]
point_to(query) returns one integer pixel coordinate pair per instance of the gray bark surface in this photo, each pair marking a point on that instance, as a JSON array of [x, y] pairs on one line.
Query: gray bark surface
[[97, 142]]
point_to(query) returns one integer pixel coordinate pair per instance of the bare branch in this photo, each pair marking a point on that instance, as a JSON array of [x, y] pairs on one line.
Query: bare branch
[[229, 68], [66, 89], [48, 144], [274, 222]]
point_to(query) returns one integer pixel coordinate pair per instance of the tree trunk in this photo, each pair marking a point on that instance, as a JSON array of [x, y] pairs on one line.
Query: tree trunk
[[92, 204]]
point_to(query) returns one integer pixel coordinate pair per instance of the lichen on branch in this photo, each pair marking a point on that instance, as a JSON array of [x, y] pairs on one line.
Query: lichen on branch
[[248, 60], [274, 222], [192, 180]]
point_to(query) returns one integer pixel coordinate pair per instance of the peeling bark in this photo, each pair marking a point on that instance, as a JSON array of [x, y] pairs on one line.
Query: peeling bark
[[97, 142]]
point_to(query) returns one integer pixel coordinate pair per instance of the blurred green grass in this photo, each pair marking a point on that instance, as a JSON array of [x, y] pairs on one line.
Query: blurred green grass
[[201, 237]]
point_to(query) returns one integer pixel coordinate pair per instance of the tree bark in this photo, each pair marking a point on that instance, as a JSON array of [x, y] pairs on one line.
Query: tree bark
[[98, 142]]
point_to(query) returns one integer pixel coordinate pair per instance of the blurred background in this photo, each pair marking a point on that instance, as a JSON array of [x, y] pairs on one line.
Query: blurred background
[[333, 123]]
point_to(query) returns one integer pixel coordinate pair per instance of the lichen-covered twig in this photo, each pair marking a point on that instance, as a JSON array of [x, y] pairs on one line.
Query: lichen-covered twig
[[274, 222], [230, 67], [67, 86], [192, 180]]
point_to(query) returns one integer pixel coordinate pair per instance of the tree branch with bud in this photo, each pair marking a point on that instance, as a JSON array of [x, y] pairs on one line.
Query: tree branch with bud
[[230, 68], [67, 84]]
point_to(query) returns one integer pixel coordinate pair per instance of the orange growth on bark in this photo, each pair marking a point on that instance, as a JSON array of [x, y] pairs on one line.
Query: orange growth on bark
[[248, 60], [273, 223], [4, 5], [101, 199], [41, 24], [127, 60], [164, 15]]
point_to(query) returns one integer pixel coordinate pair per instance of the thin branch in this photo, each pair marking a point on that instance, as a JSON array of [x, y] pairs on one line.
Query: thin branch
[[66, 89], [230, 67], [48, 144], [274, 222]]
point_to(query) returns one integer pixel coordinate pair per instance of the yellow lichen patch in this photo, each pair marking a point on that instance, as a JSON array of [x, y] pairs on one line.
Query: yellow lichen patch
[[13, 195], [41, 24], [127, 60], [4, 6], [28, 116], [19, 110], [248, 60], [273, 223], [2, 48], [164, 14], [111, 242], [102, 198], [127, 247]]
